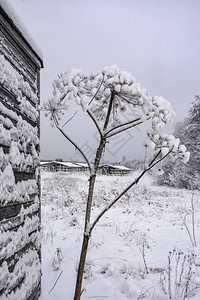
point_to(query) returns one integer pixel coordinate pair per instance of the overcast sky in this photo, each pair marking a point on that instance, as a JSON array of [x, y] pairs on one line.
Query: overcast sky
[[155, 40]]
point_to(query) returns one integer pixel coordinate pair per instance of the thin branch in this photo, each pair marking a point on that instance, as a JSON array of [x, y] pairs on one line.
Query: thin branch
[[188, 231], [70, 118], [95, 122], [193, 220], [99, 108], [127, 100], [158, 161], [197, 287], [115, 200], [121, 125], [47, 109], [109, 111], [125, 191], [96, 91], [71, 141], [63, 97], [156, 156], [55, 282], [169, 276], [152, 140], [123, 129]]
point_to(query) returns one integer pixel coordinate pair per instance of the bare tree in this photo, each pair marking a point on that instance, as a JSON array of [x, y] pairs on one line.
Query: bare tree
[[106, 97]]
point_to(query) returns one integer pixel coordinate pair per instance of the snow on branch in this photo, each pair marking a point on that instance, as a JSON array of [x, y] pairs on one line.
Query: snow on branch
[[118, 92], [115, 102]]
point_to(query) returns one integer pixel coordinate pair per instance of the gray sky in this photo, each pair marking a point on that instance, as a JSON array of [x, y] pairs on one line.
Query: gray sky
[[155, 40]]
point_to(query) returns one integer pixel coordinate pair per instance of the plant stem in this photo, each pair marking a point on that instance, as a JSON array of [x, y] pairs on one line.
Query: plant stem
[[87, 231], [55, 282], [109, 111], [193, 221], [77, 294], [169, 276], [92, 181], [188, 231], [86, 236]]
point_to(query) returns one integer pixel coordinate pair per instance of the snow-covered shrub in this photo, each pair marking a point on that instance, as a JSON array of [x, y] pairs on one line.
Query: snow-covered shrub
[[179, 278], [177, 173]]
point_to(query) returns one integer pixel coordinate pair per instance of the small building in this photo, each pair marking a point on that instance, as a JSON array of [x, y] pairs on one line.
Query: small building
[[108, 169], [60, 166], [83, 166], [48, 166], [20, 243], [68, 167]]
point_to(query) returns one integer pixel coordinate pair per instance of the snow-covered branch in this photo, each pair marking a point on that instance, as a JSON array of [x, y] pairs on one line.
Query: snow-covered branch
[[124, 129], [151, 165], [95, 122], [122, 125]]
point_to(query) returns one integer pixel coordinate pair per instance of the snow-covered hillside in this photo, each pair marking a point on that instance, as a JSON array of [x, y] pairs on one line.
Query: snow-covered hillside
[[141, 249]]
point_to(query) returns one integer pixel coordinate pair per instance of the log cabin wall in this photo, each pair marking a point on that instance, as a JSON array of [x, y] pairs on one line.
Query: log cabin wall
[[20, 245]]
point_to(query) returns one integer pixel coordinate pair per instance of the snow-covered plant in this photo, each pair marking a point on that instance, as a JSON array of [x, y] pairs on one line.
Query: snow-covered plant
[[57, 259], [143, 243], [106, 96], [178, 280], [147, 293], [191, 213]]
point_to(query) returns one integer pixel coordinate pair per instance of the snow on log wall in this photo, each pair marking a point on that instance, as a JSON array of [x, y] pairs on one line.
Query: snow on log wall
[[20, 265]]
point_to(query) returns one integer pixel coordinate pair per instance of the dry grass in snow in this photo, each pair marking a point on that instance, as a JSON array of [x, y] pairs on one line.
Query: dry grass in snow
[[141, 249]]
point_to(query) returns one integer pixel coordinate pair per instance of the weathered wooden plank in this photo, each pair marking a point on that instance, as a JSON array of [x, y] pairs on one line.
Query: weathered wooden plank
[[35, 293], [7, 148], [16, 59], [20, 176], [12, 262], [18, 40], [15, 222], [12, 104], [14, 257], [20, 220], [12, 210]]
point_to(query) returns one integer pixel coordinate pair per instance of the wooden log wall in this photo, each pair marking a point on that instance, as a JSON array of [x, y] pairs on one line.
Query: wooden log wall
[[20, 261]]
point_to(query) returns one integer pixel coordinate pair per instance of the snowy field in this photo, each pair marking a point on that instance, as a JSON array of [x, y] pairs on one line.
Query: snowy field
[[141, 249]]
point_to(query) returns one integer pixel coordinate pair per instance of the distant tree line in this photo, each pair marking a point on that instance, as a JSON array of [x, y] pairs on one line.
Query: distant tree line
[[176, 173]]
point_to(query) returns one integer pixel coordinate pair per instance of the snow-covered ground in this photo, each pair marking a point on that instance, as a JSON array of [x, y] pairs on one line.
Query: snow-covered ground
[[141, 249]]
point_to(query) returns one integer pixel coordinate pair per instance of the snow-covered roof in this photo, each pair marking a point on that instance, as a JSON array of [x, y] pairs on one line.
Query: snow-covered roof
[[10, 11], [76, 165], [81, 164], [67, 164], [45, 162], [116, 167]]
